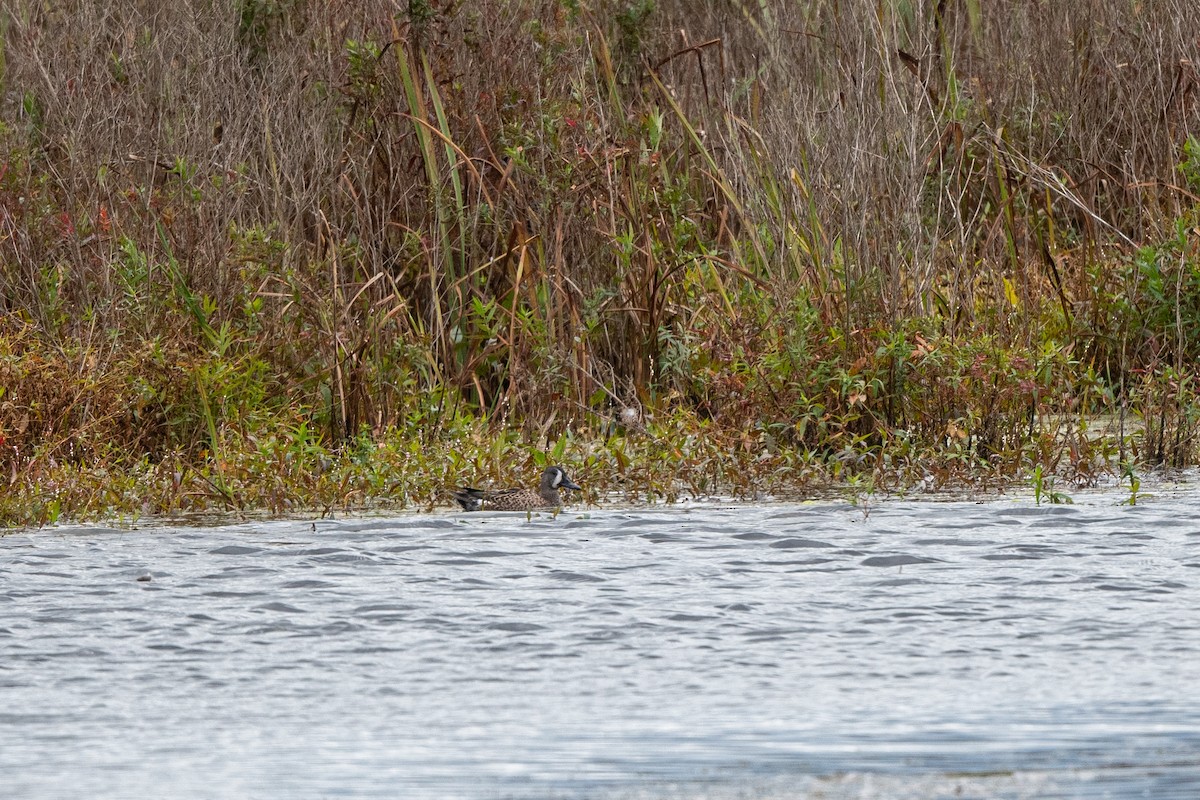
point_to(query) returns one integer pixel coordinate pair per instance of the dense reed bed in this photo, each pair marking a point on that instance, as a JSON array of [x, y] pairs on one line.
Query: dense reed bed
[[286, 255]]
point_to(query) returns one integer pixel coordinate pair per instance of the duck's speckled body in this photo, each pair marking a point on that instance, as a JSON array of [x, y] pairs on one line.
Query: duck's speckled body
[[546, 497]]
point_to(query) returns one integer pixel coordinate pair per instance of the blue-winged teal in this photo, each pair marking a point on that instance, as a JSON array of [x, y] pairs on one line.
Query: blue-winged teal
[[546, 497]]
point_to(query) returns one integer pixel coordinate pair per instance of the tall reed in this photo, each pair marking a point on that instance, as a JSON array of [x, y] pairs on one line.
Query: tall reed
[[542, 212]]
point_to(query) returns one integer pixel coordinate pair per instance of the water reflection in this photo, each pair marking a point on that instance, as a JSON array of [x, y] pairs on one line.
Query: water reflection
[[921, 650]]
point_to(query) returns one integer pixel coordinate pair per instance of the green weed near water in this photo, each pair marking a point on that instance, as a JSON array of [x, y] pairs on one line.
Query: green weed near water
[[1135, 486], [1043, 489]]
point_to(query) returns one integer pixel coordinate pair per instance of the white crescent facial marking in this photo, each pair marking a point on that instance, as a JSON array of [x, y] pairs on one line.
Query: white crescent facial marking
[[558, 476]]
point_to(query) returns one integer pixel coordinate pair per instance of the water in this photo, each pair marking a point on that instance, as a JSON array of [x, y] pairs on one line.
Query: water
[[923, 650]]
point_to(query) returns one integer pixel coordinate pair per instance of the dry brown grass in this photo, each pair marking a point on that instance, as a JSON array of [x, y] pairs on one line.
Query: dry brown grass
[[544, 211]]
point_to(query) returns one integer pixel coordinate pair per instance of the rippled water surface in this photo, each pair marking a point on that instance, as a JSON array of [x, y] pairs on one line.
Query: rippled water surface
[[923, 650]]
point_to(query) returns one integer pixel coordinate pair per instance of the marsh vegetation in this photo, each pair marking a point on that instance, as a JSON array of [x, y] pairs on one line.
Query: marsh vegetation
[[286, 255]]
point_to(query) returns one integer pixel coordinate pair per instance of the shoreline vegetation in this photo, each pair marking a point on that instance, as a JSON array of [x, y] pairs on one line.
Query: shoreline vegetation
[[285, 255]]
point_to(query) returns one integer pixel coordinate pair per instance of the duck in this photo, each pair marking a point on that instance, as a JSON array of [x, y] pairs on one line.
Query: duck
[[546, 497]]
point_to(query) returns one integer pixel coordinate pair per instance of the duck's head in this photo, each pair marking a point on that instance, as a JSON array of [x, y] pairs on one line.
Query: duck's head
[[556, 478]]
